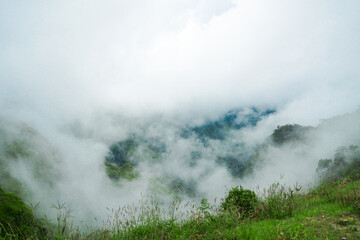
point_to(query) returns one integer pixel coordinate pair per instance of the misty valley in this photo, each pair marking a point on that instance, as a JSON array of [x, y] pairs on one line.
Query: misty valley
[[182, 119], [167, 169]]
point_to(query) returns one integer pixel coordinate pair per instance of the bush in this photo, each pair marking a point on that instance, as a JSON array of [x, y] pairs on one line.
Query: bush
[[17, 219], [240, 200]]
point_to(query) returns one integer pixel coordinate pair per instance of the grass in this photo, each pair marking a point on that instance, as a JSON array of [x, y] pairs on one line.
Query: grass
[[329, 211], [16, 219]]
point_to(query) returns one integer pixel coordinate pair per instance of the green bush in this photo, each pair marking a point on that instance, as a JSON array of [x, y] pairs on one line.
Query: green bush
[[17, 219], [240, 200]]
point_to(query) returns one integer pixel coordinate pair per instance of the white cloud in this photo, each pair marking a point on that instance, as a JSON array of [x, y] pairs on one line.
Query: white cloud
[[74, 55], [99, 62]]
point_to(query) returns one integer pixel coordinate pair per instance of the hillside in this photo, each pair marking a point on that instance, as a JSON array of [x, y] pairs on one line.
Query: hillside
[[213, 142], [328, 209], [24, 150], [17, 220]]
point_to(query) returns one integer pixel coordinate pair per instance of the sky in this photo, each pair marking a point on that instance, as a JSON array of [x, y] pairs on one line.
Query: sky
[[71, 58]]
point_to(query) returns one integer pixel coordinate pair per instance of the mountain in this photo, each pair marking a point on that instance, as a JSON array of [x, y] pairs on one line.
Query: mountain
[[309, 144], [24, 150], [233, 120], [215, 144]]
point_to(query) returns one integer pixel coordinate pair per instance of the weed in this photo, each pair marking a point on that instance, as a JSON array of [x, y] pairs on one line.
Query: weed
[[279, 202], [204, 211]]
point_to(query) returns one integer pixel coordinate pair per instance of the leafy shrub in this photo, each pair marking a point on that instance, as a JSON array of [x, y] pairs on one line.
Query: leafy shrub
[[203, 211], [243, 201], [17, 219]]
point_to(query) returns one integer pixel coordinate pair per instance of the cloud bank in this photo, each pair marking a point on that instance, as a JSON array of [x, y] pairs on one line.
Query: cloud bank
[[72, 57], [87, 73]]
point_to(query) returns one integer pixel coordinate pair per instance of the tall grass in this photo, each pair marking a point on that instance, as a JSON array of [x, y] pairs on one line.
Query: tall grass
[[278, 201], [330, 211]]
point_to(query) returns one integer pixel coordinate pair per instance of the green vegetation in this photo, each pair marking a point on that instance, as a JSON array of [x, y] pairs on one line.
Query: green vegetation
[[346, 162], [126, 171], [173, 186], [219, 129], [21, 152], [121, 152], [124, 156], [282, 135], [240, 200], [329, 211], [234, 165], [8, 182], [22, 146], [17, 149], [279, 202], [289, 133], [16, 219], [12, 152]]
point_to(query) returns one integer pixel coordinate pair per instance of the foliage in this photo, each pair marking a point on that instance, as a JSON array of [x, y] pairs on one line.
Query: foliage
[[288, 133], [235, 166], [329, 211], [257, 160], [26, 148], [243, 201], [279, 202], [124, 156], [120, 152], [326, 212], [314, 216], [204, 209], [17, 219], [17, 149], [323, 165], [346, 162], [126, 171], [64, 228], [8, 182], [180, 186], [234, 119], [173, 186]]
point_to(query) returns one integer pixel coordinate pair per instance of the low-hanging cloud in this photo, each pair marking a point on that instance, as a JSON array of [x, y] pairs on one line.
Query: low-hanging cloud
[[89, 73]]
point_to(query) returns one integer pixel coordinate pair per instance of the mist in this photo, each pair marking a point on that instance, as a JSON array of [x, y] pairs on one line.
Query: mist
[[84, 75]]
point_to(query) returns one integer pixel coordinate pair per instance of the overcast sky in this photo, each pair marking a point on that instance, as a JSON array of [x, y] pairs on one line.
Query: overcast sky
[[68, 57], [63, 64]]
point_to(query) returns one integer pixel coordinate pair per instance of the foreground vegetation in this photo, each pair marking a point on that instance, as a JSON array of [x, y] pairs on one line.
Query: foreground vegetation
[[329, 211]]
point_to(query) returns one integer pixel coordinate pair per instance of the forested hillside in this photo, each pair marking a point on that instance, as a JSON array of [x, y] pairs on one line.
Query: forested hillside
[[330, 207]]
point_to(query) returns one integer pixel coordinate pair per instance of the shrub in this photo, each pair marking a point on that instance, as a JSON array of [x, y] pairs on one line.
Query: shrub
[[17, 219], [241, 200]]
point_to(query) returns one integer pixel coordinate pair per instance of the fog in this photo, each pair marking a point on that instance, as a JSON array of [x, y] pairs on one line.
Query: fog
[[87, 74]]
